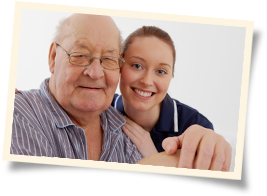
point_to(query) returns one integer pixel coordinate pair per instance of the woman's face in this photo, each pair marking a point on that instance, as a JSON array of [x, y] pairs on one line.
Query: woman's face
[[146, 73]]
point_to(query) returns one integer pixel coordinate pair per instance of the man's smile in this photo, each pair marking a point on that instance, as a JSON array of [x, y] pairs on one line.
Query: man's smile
[[90, 88]]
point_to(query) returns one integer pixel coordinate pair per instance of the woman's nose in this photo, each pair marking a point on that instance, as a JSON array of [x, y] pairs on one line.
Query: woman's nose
[[147, 79]]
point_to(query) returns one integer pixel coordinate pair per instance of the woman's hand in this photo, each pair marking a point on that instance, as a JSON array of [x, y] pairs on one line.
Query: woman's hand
[[201, 148], [139, 137]]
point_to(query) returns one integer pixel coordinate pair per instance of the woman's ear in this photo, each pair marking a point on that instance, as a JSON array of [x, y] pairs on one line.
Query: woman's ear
[[52, 57]]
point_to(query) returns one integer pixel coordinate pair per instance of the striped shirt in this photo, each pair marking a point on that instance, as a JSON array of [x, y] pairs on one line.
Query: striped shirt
[[42, 128]]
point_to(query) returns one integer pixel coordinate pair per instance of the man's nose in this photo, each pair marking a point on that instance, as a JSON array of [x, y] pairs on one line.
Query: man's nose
[[94, 70], [147, 79]]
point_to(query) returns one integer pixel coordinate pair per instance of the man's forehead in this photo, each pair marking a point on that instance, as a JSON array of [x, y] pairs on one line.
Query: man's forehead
[[95, 23], [112, 49], [90, 18], [87, 31]]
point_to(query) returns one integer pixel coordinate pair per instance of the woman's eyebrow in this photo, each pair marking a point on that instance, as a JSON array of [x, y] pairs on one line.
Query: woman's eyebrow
[[138, 58], [165, 64]]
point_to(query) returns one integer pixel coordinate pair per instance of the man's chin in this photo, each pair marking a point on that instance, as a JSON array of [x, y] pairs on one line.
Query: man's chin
[[91, 106]]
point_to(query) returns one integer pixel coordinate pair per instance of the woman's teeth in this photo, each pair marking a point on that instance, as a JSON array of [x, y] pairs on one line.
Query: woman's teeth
[[143, 94]]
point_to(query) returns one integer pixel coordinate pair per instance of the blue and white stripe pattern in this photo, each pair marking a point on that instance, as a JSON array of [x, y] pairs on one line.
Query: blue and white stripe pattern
[[42, 128]]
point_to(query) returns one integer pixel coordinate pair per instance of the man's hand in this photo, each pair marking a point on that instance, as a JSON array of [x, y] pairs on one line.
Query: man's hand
[[201, 148], [140, 137], [16, 90]]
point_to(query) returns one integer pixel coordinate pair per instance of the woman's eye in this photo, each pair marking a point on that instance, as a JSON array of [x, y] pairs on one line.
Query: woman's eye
[[161, 72], [136, 66]]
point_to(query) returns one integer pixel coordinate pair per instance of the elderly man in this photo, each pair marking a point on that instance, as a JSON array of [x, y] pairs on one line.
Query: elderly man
[[70, 115]]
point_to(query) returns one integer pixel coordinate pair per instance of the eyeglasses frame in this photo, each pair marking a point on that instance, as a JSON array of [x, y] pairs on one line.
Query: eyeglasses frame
[[90, 60]]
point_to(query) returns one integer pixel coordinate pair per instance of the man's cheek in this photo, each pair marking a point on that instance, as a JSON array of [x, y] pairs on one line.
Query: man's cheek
[[114, 80]]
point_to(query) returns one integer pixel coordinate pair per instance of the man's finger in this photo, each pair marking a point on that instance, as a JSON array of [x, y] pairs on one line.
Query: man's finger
[[191, 140]]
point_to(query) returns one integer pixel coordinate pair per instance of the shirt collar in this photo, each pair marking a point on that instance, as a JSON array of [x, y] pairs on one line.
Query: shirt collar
[[60, 117], [112, 118], [166, 118]]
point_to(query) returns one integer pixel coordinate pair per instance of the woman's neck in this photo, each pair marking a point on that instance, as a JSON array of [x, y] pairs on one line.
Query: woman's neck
[[146, 119]]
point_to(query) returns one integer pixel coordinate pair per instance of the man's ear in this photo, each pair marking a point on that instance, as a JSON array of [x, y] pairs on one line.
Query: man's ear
[[52, 57]]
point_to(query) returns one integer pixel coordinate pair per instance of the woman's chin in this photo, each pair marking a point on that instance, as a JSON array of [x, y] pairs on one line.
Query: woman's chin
[[141, 107]]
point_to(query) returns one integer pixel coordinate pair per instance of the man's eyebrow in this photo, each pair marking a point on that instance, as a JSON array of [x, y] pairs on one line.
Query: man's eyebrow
[[113, 52], [82, 46], [79, 45]]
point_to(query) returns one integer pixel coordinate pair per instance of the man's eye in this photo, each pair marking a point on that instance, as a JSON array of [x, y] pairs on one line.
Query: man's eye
[[109, 59], [79, 56]]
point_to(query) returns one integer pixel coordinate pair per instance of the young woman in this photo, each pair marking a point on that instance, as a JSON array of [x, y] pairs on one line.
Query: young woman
[[149, 55]]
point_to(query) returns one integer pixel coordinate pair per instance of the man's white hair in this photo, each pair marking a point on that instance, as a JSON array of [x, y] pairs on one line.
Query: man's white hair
[[121, 39], [58, 35], [59, 30]]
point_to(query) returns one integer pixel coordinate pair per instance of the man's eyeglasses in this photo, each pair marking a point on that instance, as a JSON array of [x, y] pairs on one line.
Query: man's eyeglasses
[[85, 59]]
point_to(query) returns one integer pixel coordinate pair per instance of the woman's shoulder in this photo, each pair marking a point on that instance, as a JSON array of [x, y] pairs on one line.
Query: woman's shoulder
[[184, 106], [189, 115], [180, 105]]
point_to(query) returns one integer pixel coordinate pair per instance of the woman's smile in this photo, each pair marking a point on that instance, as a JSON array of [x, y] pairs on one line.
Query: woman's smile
[[143, 93]]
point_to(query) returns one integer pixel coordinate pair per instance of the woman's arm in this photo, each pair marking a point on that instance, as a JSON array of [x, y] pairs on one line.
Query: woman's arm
[[196, 148], [139, 137], [162, 159]]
